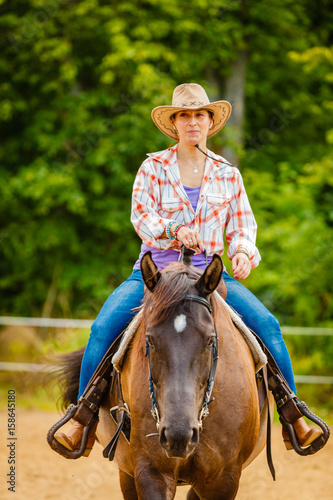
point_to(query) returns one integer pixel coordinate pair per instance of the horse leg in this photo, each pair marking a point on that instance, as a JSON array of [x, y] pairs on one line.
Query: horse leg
[[191, 495], [225, 486], [151, 484], [127, 485]]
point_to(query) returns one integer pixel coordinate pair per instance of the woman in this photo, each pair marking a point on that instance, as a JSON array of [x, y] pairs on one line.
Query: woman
[[182, 197]]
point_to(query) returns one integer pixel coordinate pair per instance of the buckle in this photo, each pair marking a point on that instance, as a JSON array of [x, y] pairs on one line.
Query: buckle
[[93, 407], [101, 384], [274, 381], [282, 402]]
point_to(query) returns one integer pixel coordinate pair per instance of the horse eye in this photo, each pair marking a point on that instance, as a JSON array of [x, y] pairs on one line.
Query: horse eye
[[149, 340], [211, 342]]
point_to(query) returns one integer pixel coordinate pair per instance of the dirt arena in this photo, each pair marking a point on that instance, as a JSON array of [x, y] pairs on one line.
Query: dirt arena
[[41, 474]]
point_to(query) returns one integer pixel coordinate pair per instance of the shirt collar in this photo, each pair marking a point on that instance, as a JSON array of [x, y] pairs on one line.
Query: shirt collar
[[169, 156]]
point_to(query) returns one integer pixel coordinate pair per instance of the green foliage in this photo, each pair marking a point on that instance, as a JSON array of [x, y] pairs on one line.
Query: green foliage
[[78, 81], [295, 239]]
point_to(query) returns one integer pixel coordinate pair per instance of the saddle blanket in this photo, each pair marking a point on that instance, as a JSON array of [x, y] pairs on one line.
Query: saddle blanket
[[259, 356]]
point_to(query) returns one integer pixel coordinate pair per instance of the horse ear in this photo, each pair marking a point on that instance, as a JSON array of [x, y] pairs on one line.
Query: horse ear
[[211, 277], [149, 271]]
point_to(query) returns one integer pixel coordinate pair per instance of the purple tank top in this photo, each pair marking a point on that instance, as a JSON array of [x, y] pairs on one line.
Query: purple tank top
[[163, 258]]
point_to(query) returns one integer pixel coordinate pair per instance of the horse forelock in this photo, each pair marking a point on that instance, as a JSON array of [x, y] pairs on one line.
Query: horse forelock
[[176, 282]]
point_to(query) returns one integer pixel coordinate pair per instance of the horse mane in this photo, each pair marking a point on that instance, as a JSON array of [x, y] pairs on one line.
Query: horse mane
[[175, 283], [219, 312]]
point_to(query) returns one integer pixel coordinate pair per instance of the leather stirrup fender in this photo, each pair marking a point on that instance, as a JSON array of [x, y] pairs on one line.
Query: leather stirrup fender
[[290, 409], [85, 412]]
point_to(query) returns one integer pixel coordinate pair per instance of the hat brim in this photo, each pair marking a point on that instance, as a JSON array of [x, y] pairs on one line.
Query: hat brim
[[162, 117]]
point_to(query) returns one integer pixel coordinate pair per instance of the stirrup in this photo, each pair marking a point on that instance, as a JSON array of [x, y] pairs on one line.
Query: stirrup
[[290, 409], [318, 443], [61, 449], [86, 411]]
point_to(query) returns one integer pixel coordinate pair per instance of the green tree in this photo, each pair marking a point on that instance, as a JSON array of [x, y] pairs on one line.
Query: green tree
[[78, 81]]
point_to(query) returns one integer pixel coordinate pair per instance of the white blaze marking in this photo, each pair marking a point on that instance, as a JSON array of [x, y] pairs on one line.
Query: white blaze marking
[[180, 323]]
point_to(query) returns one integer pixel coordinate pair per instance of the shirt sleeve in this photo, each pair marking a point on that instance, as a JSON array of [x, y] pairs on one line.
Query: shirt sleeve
[[241, 226], [148, 224]]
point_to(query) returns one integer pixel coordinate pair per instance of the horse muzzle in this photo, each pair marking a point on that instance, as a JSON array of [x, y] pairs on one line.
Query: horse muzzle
[[179, 442]]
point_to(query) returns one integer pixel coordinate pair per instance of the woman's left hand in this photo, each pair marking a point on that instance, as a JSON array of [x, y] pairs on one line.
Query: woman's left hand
[[241, 266]]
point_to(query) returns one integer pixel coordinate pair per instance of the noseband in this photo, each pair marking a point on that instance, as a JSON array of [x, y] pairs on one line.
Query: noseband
[[204, 411]]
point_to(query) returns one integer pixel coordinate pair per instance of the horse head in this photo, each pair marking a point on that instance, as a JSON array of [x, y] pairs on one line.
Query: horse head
[[180, 338]]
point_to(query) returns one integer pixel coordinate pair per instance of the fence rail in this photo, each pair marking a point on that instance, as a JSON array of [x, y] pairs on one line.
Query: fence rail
[[6, 366], [86, 323], [38, 368], [306, 330], [46, 322]]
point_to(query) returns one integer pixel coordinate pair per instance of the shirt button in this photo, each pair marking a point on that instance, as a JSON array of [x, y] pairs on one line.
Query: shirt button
[[210, 177], [201, 196]]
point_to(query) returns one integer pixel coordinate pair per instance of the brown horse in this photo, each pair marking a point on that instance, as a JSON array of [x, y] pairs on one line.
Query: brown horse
[[176, 345]]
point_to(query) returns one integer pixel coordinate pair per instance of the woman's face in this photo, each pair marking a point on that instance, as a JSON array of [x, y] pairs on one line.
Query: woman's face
[[193, 126]]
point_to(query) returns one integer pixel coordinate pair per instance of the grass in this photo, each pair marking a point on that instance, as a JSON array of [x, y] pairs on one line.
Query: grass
[[37, 390]]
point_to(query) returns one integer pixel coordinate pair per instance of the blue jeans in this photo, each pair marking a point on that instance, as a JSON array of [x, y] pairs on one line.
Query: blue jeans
[[116, 314]]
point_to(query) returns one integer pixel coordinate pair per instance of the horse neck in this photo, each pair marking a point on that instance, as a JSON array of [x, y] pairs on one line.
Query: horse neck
[[233, 348]]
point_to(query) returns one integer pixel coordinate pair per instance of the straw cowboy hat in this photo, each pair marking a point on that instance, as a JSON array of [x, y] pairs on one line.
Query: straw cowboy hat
[[190, 96]]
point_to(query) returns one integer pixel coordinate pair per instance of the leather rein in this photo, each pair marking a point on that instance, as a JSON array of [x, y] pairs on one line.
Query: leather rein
[[204, 410]]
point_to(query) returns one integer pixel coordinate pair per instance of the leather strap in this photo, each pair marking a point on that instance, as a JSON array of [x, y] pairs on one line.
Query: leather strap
[[269, 429], [91, 399], [90, 402], [284, 397], [200, 300], [122, 416]]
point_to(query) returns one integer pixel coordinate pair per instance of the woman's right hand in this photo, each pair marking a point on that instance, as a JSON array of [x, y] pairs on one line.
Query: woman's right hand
[[190, 238]]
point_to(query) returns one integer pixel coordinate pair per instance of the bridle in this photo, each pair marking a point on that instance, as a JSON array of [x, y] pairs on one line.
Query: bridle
[[204, 410]]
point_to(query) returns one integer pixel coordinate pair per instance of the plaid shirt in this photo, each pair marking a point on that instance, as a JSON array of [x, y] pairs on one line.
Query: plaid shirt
[[159, 196]]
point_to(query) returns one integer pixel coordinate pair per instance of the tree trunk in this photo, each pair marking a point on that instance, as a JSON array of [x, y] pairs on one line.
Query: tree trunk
[[233, 90], [235, 94]]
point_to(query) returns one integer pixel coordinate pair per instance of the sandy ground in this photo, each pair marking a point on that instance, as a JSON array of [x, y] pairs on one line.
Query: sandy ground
[[41, 474]]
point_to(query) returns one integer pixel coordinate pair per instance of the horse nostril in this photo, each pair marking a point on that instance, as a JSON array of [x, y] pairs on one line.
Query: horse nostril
[[163, 439], [179, 442], [195, 437]]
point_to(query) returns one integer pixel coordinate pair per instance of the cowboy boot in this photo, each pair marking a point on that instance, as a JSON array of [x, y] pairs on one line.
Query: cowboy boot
[[289, 411], [305, 434], [72, 440], [296, 433], [85, 414], [86, 411]]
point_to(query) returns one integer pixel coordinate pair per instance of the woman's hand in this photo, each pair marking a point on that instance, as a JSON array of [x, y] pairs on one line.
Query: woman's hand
[[190, 238], [241, 266]]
